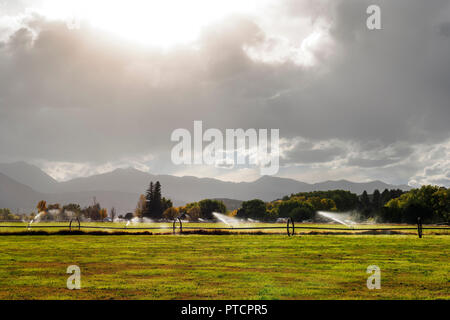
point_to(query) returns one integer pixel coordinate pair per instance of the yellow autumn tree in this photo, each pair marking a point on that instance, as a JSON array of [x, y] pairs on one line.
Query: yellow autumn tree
[[194, 213], [42, 206], [140, 207], [103, 213], [171, 213]]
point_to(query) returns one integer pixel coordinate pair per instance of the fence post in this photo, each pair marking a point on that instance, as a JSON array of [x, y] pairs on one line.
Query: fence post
[[289, 221], [174, 225], [419, 227], [70, 224]]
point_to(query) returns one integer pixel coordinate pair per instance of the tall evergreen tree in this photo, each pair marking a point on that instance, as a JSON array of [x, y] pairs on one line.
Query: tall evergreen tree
[[385, 197], [365, 204], [157, 201], [376, 200], [166, 204], [149, 201]]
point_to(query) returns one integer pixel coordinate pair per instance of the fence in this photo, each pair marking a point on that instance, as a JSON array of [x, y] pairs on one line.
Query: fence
[[177, 227]]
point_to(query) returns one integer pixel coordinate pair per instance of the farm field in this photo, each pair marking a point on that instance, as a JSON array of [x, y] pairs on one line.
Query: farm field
[[224, 266]]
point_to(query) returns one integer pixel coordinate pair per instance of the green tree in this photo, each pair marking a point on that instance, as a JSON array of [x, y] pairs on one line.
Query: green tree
[[296, 209], [171, 213], [194, 213], [72, 210], [344, 200], [385, 197], [93, 211], [157, 201], [166, 204], [376, 200], [303, 212], [208, 206], [6, 214], [392, 211], [430, 203], [365, 204], [147, 211], [441, 205], [255, 209]]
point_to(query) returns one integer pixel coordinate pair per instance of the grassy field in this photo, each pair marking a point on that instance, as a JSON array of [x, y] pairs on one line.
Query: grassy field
[[225, 267]]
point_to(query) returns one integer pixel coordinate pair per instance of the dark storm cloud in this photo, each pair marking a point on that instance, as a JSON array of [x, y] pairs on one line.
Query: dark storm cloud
[[83, 96], [308, 152], [111, 101], [370, 163], [314, 156]]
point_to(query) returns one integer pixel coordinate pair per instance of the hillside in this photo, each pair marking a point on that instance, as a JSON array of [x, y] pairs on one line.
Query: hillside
[[121, 188]]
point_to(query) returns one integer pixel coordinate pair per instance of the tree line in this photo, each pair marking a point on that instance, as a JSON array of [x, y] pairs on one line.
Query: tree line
[[57, 212], [300, 206], [154, 206], [431, 203]]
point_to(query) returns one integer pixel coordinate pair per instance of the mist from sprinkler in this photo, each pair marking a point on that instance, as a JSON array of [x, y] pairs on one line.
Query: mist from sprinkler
[[37, 218], [229, 221], [336, 217], [138, 220]]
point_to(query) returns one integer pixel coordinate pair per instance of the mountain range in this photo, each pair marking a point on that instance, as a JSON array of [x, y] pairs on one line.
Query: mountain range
[[22, 185]]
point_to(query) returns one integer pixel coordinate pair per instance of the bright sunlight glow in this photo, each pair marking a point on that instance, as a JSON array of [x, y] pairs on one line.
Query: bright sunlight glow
[[161, 23]]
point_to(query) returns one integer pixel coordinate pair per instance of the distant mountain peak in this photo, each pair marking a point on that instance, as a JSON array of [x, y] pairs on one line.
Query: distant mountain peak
[[121, 187], [127, 169], [30, 175], [274, 178]]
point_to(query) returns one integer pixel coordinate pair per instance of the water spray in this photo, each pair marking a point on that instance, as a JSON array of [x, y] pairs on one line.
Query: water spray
[[36, 219], [229, 221], [336, 217]]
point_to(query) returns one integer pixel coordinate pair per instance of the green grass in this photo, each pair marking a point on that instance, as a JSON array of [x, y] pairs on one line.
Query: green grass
[[225, 267]]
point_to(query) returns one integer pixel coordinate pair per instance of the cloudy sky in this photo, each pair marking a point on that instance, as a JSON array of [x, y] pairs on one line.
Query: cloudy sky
[[90, 86]]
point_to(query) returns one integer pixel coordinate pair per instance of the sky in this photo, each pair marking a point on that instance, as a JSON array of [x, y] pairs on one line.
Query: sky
[[90, 86]]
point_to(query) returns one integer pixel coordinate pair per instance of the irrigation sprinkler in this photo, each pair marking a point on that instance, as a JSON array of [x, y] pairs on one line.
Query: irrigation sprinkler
[[175, 225], [290, 227], [419, 227], [70, 224], [290, 221]]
